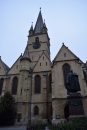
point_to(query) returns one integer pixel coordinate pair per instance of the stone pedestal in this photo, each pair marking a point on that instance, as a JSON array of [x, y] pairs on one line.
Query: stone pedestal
[[75, 104]]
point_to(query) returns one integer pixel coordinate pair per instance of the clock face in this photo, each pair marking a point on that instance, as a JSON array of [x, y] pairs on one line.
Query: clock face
[[36, 45]]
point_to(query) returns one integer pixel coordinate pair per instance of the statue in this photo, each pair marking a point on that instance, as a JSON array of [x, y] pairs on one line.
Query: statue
[[72, 83]]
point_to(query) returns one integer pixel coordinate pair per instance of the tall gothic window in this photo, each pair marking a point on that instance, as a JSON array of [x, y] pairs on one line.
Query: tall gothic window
[[37, 84], [36, 110], [14, 85], [66, 70], [1, 85]]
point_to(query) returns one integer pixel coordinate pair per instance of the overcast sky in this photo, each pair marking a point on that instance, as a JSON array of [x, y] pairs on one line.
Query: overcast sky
[[66, 21]]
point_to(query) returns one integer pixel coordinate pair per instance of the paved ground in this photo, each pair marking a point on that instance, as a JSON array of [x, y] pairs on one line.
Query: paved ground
[[14, 128]]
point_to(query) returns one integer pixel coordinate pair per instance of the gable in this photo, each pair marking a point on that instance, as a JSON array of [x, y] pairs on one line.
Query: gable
[[43, 64], [65, 54], [15, 67]]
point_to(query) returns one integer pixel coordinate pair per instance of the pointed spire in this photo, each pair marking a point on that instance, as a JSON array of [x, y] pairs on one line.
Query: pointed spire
[[44, 25], [39, 23], [44, 29], [31, 30]]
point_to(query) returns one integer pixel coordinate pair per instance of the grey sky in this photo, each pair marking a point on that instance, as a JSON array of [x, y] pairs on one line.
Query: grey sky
[[66, 21]]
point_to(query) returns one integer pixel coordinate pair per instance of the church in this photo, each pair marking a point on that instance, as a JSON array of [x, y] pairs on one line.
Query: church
[[44, 90]]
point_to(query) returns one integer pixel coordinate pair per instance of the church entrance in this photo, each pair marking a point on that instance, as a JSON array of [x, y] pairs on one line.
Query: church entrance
[[66, 111]]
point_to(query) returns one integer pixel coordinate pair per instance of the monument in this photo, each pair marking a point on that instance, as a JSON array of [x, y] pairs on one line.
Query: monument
[[74, 105]]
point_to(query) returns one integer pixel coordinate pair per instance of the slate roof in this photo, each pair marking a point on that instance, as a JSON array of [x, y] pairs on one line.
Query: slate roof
[[39, 24], [6, 68]]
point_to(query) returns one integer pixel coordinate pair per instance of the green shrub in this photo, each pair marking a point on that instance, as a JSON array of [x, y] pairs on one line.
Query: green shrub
[[7, 110], [74, 124]]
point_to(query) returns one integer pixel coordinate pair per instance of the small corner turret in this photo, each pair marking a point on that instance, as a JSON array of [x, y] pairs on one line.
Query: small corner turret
[[25, 63], [31, 31], [44, 29]]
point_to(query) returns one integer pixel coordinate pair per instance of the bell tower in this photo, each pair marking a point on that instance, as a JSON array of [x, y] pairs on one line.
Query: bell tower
[[38, 51], [38, 40]]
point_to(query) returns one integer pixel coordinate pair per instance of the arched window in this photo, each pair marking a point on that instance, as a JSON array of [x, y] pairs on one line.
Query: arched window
[[66, 70], [37, 39], [36, 44], [14, 85], [1, 85], [37, 84], [36, 110]]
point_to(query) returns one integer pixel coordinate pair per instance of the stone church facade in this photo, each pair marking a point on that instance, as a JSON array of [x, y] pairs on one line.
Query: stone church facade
[[39, 85]]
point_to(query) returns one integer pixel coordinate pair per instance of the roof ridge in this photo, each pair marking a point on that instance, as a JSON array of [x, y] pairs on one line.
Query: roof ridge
[[15, 62]]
